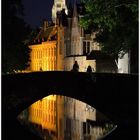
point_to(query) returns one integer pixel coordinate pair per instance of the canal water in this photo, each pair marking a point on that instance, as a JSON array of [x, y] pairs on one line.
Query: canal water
[[57, 117]]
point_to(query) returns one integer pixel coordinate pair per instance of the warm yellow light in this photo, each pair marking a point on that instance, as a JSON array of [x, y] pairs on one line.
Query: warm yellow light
[[42, 108], [42, 58], [50, 97]]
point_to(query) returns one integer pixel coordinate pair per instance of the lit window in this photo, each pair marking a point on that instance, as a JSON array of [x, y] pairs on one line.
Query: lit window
[[86, 47], [52, 119]]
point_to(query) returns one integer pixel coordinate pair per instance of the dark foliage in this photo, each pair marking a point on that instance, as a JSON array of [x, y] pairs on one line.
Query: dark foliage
[[15, 52], [116, 24]]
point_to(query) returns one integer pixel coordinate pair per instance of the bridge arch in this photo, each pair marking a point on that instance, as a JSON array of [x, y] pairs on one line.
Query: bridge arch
[[107, 93]]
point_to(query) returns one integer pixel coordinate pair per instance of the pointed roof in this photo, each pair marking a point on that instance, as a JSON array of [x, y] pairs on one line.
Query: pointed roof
[[75, 9], [75, 16], [45, 34], [50, 34]]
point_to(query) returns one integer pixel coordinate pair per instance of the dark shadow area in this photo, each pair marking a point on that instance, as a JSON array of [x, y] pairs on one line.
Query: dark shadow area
[[115, 95]]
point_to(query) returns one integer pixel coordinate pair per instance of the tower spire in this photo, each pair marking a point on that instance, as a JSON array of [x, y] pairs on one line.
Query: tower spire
[[75, 15], [75, 9]]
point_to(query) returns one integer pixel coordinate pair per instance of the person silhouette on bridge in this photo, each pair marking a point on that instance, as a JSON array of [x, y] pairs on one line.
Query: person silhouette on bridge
[[75, 67], [89, 69]]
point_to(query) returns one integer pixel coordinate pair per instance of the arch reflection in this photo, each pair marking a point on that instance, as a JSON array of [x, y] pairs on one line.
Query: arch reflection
[[57, 117]]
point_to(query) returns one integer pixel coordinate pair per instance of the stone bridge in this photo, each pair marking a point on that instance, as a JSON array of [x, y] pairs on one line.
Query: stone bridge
[[115, 95]]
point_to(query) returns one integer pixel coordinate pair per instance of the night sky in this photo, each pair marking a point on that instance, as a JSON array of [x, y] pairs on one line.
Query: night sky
[[37, 10]]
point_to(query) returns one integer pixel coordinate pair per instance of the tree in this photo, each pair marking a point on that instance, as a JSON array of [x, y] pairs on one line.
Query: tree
[[15, 52], [116, 24]]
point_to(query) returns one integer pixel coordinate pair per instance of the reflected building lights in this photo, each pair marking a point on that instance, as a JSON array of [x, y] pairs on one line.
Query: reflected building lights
[[62, 118]]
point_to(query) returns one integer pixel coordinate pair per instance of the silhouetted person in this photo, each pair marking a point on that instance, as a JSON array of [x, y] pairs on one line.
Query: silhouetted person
[[89, 69], [75, 67]]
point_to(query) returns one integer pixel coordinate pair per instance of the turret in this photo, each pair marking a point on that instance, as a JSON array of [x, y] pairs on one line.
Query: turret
[[57, 7], [75, 34]]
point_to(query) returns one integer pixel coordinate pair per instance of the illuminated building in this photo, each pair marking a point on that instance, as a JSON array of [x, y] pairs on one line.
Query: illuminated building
[[57, 47], [43, 112], [81, 47], [80, 44], [47, 52], [76, 115], [63, 118], [40, 61]]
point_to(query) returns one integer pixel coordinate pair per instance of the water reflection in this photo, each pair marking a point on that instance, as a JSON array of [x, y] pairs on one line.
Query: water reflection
[[62, 118]]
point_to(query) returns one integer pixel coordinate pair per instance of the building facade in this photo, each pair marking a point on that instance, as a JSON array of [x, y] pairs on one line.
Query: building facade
[[43, 56], [56, 48], [47, 52], [80, 44], [66, 42]]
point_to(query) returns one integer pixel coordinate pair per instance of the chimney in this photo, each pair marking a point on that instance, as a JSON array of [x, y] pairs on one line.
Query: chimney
[[45, 25]]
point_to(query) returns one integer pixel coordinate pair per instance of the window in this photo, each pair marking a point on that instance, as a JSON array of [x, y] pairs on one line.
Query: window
[[84, 47], [49, 118], [88, 128], [54, 51], [54, 105], [60, 47], [48, 104], [88, 47], [61, 126], [84, 127], [52, 119], [58, 5]]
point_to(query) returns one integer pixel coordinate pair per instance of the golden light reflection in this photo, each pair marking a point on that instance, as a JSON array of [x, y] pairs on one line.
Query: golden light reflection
[[43, 112], [64, 118]]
